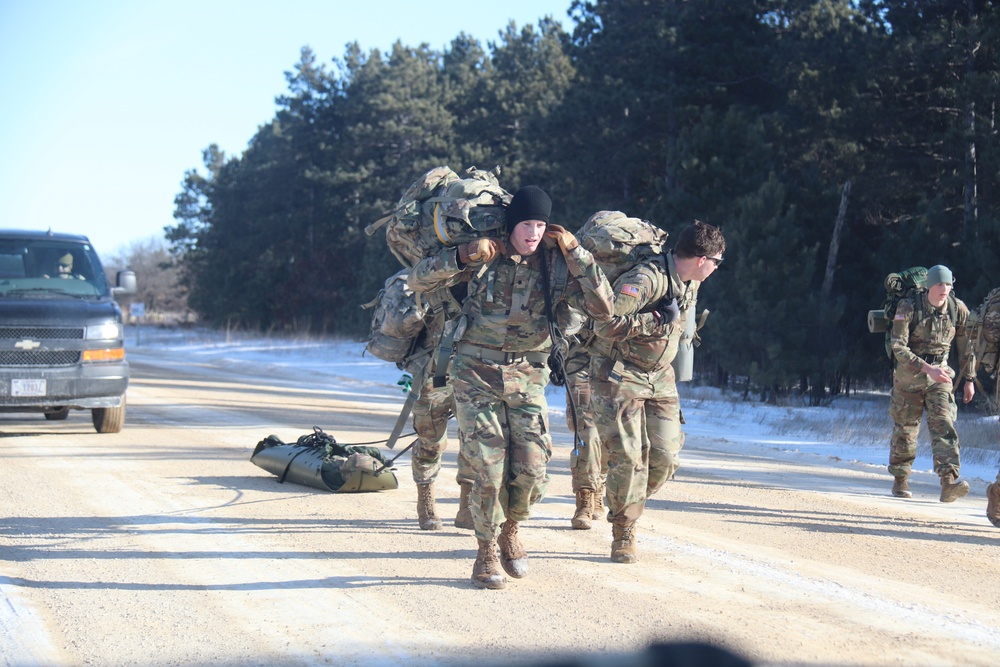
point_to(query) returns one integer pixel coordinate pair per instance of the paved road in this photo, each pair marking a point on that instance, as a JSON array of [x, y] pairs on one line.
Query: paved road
[[163, 545]]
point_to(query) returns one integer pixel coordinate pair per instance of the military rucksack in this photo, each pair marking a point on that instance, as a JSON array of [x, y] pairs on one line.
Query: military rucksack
[[911, 282], [619, 242], [985, 332], [397, 320], [443, 209]]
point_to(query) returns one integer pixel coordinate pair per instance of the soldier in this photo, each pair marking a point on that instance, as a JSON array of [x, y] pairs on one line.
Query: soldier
[[498, 373], [589, 458], [635, 395], [923, 329], [993, 502], [431, 411]]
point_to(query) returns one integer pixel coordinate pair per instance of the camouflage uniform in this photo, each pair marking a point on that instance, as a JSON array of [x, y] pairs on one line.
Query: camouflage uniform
[[499, 372], [588, 461], [914, 342], [434, 405], [432, 410], [635, 395], [993, 502]]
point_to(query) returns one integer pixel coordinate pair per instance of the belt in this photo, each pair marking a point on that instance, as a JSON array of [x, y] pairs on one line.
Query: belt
[[499, 356], [934, 359]]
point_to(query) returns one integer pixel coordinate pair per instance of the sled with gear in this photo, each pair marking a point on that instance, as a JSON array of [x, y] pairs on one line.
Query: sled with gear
[[318, 460]]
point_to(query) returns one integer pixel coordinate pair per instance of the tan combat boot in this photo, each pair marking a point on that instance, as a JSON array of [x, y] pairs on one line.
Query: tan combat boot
[[952, 488], [464, 517], [426, 514], [623, 543], [584, 509], [598, 513], [901, 489], [513, 557], [486, 571], [993, 504]]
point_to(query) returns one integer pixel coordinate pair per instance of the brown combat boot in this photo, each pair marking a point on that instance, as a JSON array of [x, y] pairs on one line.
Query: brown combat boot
[[993, 504], [464, 517], [426, 514], [513, 557], [901, 489], [486, 571], [952, 488], [623, 544], [584, 509], [598, 513]]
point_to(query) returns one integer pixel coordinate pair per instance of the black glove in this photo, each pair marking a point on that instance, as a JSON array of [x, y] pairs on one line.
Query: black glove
[[667, 311]]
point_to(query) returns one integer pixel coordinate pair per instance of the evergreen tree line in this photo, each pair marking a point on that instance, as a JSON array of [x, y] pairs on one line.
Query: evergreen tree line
[[834, 141]]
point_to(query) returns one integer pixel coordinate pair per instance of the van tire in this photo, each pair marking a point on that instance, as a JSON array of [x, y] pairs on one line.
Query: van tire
[[109, 420], [57, 415]]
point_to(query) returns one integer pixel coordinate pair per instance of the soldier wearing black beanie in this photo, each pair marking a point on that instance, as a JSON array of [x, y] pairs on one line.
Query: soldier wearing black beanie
[[528, 203]]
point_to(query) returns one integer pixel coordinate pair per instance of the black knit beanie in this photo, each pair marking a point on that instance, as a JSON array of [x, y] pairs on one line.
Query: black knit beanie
[[528, 203]]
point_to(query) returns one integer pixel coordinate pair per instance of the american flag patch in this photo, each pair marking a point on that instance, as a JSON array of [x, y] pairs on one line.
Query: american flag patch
[[630, 290], [899, 317]]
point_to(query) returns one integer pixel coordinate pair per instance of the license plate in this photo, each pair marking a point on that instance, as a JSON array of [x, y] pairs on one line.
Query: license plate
[[27, 387]]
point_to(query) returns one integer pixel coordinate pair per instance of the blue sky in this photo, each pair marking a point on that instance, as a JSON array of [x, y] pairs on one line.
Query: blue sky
[[104, 104]]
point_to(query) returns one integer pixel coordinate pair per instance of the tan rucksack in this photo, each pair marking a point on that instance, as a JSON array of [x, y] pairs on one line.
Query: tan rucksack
[[397, 320], [443, 209], [619, 242], [985, 332]]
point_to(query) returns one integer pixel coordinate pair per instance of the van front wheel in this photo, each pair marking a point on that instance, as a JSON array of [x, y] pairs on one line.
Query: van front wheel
[[109, 420]]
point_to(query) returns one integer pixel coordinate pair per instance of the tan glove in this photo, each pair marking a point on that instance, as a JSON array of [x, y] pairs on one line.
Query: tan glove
[[478, 252], [564, 238]]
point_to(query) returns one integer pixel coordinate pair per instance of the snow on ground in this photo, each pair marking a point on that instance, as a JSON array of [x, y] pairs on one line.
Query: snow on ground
[[853, 431]]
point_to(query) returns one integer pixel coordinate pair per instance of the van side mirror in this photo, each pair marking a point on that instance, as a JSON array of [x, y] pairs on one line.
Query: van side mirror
[[126, 283]]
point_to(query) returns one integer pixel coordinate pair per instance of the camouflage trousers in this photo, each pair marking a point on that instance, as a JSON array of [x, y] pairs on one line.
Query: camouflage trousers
[[431, 412], [503, 422], [912, 393], [589, 459], [639, 420]]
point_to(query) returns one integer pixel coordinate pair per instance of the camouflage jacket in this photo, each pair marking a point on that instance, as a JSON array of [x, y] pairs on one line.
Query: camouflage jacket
[[930, 338], [507, 308], [633, 334]]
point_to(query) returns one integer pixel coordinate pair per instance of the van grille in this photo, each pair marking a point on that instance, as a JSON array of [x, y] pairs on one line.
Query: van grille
[[39, 357], [19, 333]]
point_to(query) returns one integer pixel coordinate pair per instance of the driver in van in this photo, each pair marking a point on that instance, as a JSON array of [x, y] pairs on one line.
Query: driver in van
[[64, 268]]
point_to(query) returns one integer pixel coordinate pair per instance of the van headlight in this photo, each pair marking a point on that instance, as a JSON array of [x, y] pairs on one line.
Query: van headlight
[[106, 331]]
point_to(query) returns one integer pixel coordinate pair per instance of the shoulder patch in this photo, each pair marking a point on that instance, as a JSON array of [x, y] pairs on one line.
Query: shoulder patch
[[629, 290]]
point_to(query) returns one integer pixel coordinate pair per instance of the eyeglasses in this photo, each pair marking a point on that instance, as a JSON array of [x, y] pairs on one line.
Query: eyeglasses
[[65, 266], [715, 260]]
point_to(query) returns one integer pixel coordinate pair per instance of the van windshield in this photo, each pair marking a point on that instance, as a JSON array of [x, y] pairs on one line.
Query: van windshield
[[46, 267]]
